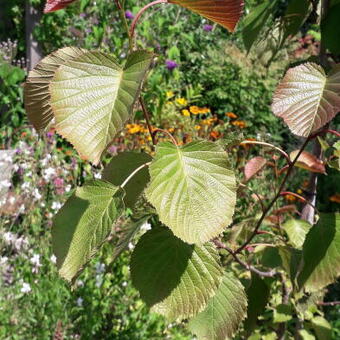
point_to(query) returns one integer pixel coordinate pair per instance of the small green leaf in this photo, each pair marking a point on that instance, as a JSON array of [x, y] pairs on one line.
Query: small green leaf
[[192, 189], [174, 278], [83, 224], [255, 21], [291, 259], [322, 328], [305, 335], [92, 97], [36, 90], [282, 313], [296, 231], [121, 166], [258, 296], [225, 311], [321, 254]]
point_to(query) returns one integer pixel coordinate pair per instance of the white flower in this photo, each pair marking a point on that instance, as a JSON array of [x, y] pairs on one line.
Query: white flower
[[53, 259], [56, 206], [146, 226], [98, 175], [100, 267], [20, 243], [124, 284], [35, 260], [3, 260], [26, 288], [25, 185], [37, 194], [5, 184], [49, 173], [11, 200], [68, 187], [80, 302], [8, 237], [80, 283], [99, 280], [131, 246]]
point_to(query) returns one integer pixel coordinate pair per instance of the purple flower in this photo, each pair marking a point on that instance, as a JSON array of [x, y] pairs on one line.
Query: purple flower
[[207, 28], [171, 64], [129, 15], [82, 15]]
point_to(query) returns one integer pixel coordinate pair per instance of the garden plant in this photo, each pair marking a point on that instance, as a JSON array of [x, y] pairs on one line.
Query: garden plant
[[205, 260]]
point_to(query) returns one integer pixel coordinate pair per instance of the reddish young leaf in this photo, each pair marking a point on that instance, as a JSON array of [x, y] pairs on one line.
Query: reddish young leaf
[[224, 12], [55, 5], [308, 162], [253, 166]]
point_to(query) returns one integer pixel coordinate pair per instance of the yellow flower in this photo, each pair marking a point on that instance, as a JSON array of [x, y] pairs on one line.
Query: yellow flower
[[299, 191], [198, 127], [186, 113], [169, 94], [335, 198], [181, 101], [204, 110], [231, 115], [208, 121], [239, 123], [195, 110], [134, 128]]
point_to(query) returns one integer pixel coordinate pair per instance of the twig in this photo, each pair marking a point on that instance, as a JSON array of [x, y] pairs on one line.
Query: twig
[[147, 118], [155, 131], [329, 303], [304, 200]]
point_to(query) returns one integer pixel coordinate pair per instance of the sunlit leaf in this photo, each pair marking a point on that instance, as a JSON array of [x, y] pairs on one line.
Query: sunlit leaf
[[83, 224], [174, 278], [192, 189], [224, 312], [307, 99], [36, 90], [92, 97], [305, 335], [224, 12], [321, 254], [296, 231], [254, 166], [121, 166], [282, 313], [308, 162], [322, 328], [54, 5]]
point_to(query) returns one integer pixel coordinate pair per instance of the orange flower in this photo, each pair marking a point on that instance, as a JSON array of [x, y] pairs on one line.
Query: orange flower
[[239, 123], [68, 152], [290, 198], [335, 198], [204, 110], [195, 110], [171, 130], [214, 134], [24, 134], [231, 115]]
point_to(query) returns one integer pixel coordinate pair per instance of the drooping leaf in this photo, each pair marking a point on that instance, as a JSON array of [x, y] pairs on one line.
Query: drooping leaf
[[192, 189], [322, 328], [92, 97], [330, 30], [255, 21], [224, 12], [296, 231], [321, 254], [308, 162], [258, 297], [121, 166], [291, 259], [296, 14], [254, 166], [224, 312], [55, 5], [271, 257], [282, 313], [36, 90], [174, 278], [83, 224], [307, 99]]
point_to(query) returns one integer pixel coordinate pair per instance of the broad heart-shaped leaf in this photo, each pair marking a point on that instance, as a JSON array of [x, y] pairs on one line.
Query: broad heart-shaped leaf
[[224, 12], [296, 231], [36, 90], [224, 312], [192, 189], [321, 254], [254, 166], [308, 162], [174, 278], [121, 166], [93, 96], [83, 224], [54, 5], [255, 21], [307, 99]]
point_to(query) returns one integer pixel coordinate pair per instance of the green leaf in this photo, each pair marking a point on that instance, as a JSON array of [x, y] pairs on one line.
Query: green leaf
[[282, 313], [322, 328], [296, 231], [192, 189], [224, 312], [255, 21], [291, 259], [121, 166], [296, 14], [83, 224], [92, 97], [258, 296], [305, 335], [174, 278], [321, 254], [224, 12], [306, 99], [36, 90], [330, 30]]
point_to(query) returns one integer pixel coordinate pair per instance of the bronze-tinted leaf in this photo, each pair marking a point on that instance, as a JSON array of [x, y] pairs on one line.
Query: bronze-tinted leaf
[[224, 12], [308, 162], [307, 99], [55, 5], [254, 166]]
